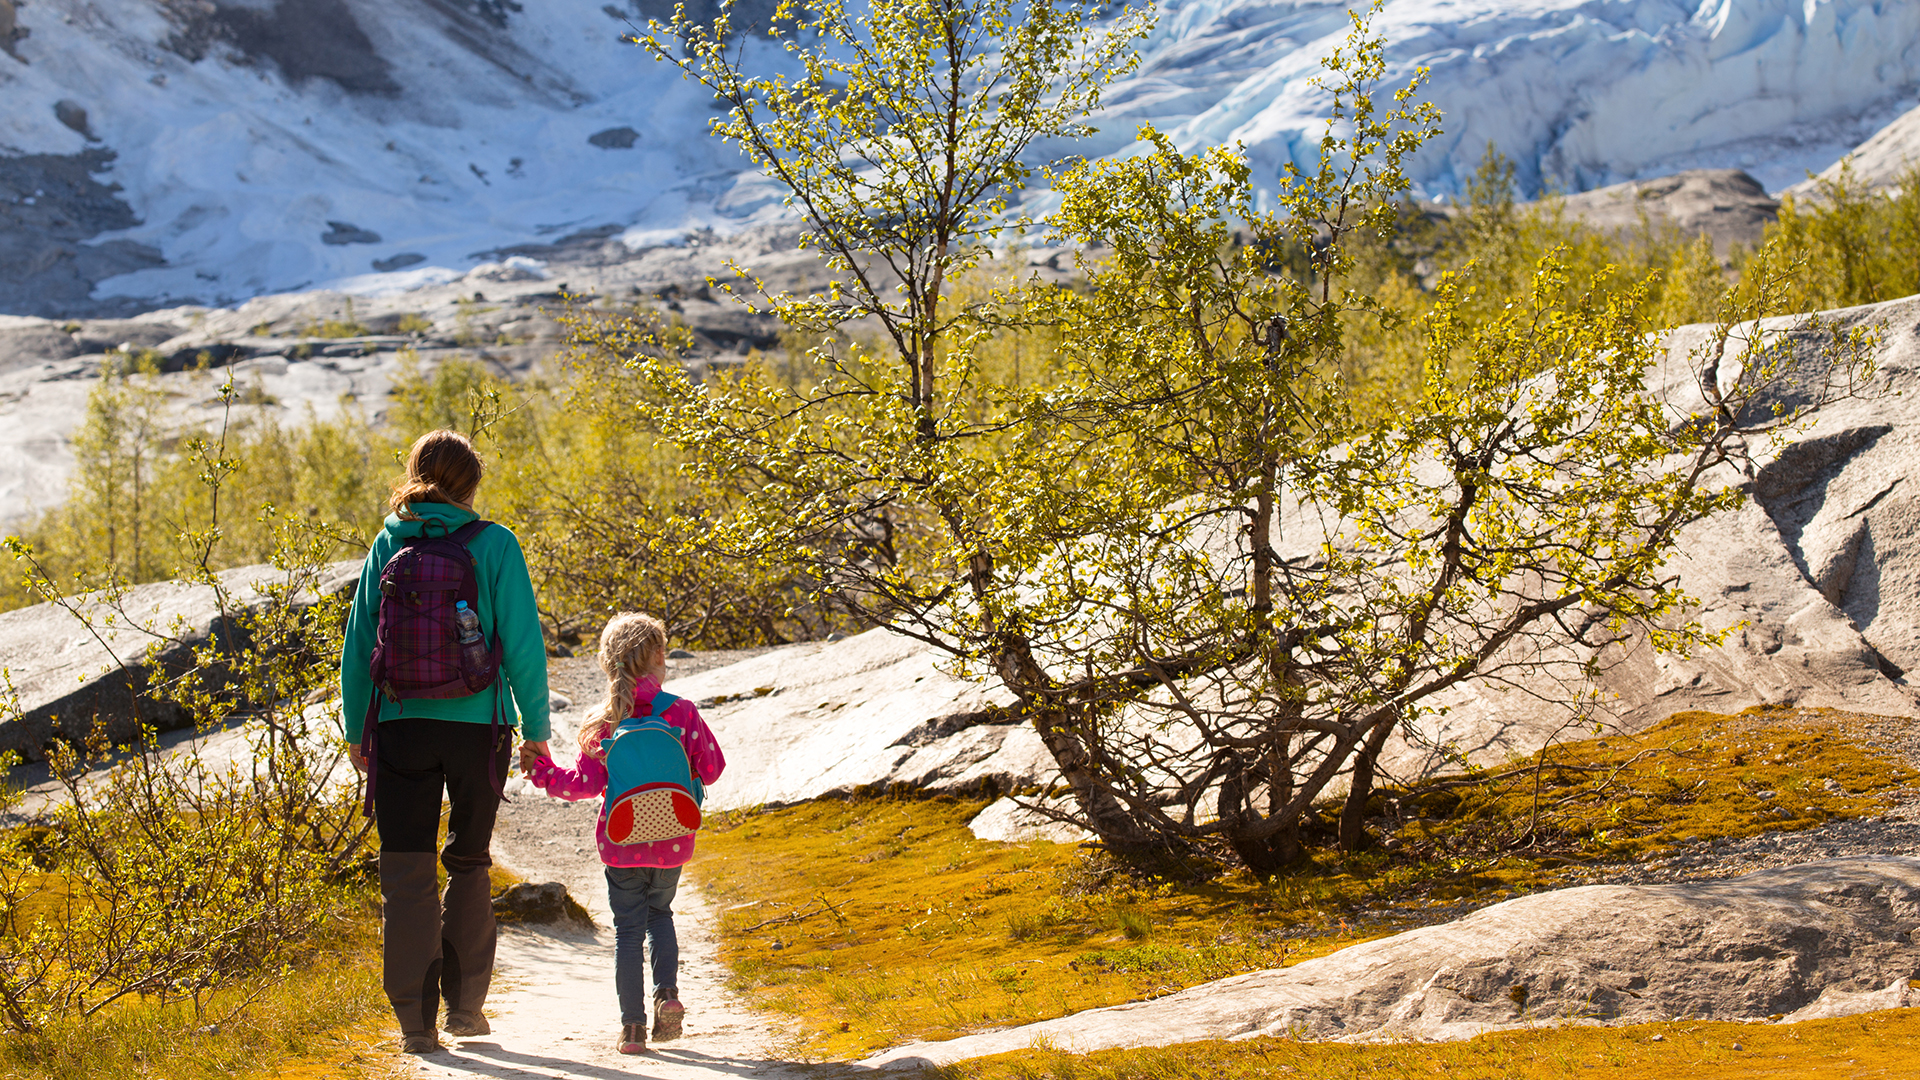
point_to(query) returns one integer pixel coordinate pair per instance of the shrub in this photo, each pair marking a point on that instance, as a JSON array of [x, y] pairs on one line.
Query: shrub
[[186, 875]]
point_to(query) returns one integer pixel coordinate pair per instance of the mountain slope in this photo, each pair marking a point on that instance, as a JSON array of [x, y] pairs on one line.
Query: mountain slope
[[1879, 161], [264, 146]]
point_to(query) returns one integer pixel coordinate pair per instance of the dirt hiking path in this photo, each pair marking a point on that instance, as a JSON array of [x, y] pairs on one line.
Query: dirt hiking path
[[553, 1009]]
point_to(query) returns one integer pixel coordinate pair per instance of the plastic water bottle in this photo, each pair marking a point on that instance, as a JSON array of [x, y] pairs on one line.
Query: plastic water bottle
[[473, 646]]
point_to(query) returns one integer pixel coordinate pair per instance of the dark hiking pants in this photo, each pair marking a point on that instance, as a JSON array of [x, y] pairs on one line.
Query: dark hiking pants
[[434, 946]]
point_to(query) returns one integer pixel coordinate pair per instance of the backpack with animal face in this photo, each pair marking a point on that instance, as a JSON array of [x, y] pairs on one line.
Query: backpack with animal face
[[652, 793]]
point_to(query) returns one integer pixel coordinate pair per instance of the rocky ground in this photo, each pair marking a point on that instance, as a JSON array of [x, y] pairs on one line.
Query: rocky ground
[[323, 351]]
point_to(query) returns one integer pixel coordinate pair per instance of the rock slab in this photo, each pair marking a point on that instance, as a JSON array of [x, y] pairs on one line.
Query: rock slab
[[547, 903], [867, 712], [1727, 205], [1821, 939], [66, 678]]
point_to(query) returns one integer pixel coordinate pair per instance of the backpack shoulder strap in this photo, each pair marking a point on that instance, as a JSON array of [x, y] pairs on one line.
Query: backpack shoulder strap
[[464, 534], [662, 701]]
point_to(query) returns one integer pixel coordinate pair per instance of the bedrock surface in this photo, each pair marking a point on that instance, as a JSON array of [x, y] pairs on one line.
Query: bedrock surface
[[1822, 939]]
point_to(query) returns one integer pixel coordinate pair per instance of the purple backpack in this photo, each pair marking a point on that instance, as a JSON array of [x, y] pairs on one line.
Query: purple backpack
[[416, 650]]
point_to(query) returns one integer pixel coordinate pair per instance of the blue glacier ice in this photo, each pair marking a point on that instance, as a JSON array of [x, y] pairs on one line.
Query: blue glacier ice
[[462, 126]]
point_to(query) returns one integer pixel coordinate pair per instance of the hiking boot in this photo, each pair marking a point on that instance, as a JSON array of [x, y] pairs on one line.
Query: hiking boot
[[421, 1043], [463, 1025], [667, 1017], [633, 1038]]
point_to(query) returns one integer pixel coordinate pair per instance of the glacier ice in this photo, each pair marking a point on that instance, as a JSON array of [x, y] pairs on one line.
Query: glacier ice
[[468, 129], [1579, 93]]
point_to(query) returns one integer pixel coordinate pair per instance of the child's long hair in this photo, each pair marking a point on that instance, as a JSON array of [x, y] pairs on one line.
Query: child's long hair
[[630, 647]]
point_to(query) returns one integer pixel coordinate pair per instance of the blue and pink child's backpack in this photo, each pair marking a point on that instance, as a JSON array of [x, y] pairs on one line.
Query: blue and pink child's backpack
[[652, 793]]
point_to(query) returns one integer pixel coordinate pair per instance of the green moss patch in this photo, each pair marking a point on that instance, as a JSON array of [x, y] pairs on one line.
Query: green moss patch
[[879, 921], [1871, 1046], [1695, 776]]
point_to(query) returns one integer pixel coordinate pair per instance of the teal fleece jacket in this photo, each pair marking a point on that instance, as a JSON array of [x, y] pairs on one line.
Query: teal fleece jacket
[[507, 615]]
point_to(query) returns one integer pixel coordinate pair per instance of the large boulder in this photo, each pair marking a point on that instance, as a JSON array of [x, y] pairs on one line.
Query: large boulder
[[72, 676], [548, 903], [1822, 939], [868, 712], [1815, 580], [1727, 205]]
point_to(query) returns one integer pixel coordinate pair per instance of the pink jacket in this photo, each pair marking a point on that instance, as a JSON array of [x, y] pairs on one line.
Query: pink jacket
[[588, 779]]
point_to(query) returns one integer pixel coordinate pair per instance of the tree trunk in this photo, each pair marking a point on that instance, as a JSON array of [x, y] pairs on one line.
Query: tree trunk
[[1054, 720], [1353, 815], [1106, 815], [1264, 856]]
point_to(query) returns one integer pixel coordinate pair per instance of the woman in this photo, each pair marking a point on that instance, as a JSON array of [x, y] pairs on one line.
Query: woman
[[424, 745]]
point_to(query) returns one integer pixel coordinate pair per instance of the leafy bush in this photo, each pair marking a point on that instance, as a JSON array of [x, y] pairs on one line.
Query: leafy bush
[[192, 875], [1860, 243]]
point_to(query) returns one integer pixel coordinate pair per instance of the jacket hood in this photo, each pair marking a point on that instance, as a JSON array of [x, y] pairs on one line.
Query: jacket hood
[[444, 514]]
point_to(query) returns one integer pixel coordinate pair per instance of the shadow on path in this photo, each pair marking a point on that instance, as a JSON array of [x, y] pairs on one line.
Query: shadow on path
[[490, 1059]]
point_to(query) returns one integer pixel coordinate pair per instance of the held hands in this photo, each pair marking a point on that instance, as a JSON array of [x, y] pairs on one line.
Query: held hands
[[531, 752]]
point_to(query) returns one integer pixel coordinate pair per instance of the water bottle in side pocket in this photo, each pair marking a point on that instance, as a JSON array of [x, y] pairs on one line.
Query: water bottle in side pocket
[[474, 654]]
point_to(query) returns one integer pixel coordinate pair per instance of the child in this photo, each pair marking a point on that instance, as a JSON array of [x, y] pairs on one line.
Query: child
[[641, 878]]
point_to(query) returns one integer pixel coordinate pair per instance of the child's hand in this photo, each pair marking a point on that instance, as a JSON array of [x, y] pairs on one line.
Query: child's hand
[[530, 753]]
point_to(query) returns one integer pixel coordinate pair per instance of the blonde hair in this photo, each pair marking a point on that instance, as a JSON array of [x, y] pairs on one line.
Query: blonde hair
[[631, 646], [441, 468]]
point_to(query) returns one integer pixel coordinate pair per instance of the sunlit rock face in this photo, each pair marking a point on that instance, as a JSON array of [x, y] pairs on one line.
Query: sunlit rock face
[[868, 712], [1815, 580], [68, 679]]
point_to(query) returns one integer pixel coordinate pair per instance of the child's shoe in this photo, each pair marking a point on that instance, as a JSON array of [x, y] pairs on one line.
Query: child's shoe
[[668, 1015], [633, 1038]]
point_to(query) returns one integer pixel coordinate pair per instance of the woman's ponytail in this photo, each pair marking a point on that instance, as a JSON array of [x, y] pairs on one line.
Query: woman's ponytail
[[441, 468]]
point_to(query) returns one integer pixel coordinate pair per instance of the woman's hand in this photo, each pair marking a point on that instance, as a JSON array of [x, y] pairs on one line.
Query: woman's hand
[[359, 761], [531, 752]]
